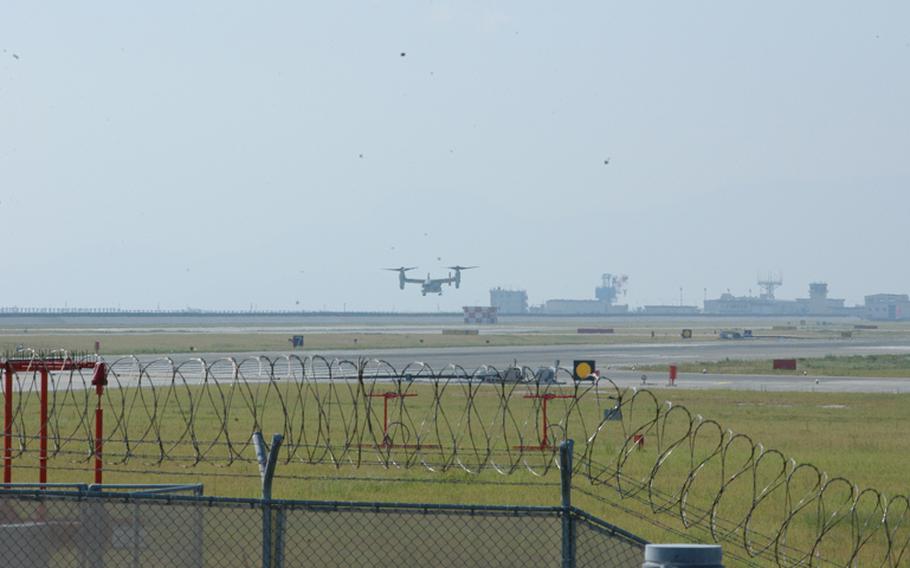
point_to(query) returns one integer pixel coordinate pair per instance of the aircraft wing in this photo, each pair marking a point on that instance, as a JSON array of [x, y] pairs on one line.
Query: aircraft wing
[[441, 280], [414, 280]]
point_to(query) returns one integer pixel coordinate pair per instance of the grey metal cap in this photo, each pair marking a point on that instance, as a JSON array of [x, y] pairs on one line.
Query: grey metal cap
[[680, 555]]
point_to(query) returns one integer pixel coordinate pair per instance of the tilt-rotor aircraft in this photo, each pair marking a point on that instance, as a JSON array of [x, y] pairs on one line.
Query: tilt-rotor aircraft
[[429, 285]]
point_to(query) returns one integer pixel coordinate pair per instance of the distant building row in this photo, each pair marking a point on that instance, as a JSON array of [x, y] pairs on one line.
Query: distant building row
[[606, 295], [877, 306], [516, 302], [817, 304], [884, 307]]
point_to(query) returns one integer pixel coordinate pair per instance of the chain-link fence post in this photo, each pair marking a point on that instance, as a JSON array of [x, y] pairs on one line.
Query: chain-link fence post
[[95, 528], [270, 541], [568, 521], [198, 530], [280, 522]]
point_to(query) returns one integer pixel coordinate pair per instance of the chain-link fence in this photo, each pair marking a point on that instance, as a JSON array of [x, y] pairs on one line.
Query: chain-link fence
[[718, 485], [88, 529]]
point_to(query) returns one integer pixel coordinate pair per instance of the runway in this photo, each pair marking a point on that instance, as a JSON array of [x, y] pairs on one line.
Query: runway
[[618, 361]]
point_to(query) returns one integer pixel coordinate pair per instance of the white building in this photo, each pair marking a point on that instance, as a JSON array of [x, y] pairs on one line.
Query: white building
[[582, 307], [509, 301], [888, 307]]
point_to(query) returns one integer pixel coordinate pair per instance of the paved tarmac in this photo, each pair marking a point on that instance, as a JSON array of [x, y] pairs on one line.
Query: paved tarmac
[[618, 361]]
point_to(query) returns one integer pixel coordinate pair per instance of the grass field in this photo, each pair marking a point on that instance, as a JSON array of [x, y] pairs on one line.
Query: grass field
[[241, 337], [166, 342], [834, 366], [846, 435]]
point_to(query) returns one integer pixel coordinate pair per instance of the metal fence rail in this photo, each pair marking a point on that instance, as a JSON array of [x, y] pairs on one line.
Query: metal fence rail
[[84, 529]]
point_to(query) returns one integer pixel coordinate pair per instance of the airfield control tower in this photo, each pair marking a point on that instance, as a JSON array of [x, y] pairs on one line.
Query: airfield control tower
[[818, 290]]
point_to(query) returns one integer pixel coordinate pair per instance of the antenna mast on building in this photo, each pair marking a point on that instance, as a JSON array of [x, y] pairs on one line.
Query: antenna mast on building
[[612, 286], [769, 285]]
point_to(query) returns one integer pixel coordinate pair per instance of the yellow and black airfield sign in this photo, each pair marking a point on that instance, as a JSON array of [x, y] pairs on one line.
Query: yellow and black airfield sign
[[583, 369]]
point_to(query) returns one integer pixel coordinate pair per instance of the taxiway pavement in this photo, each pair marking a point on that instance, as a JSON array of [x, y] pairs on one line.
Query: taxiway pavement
[[619, 361]]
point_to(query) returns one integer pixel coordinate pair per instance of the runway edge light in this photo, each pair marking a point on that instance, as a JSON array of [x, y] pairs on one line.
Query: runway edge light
[[582, 369]]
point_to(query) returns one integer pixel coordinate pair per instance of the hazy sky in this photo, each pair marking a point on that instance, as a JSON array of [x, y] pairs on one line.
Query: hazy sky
[[220, 154]]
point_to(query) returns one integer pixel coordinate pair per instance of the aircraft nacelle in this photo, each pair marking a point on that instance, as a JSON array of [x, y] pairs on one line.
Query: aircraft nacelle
[[458, 268], [401, 279]]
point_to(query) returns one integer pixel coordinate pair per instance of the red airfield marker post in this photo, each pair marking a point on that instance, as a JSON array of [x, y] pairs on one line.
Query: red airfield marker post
[[544, 437], [7, 423], [386, 397], [99, 379], [43, 367], [42, 429]]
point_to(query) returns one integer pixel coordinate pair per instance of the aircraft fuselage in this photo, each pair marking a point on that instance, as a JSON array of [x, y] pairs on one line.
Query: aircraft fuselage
[[431, 287]]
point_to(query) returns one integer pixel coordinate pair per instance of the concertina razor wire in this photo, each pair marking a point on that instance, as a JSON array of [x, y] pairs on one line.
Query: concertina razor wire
[[629, 443]]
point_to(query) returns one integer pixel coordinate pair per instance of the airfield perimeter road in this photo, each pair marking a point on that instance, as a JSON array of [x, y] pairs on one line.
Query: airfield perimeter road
[[619, 360]]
